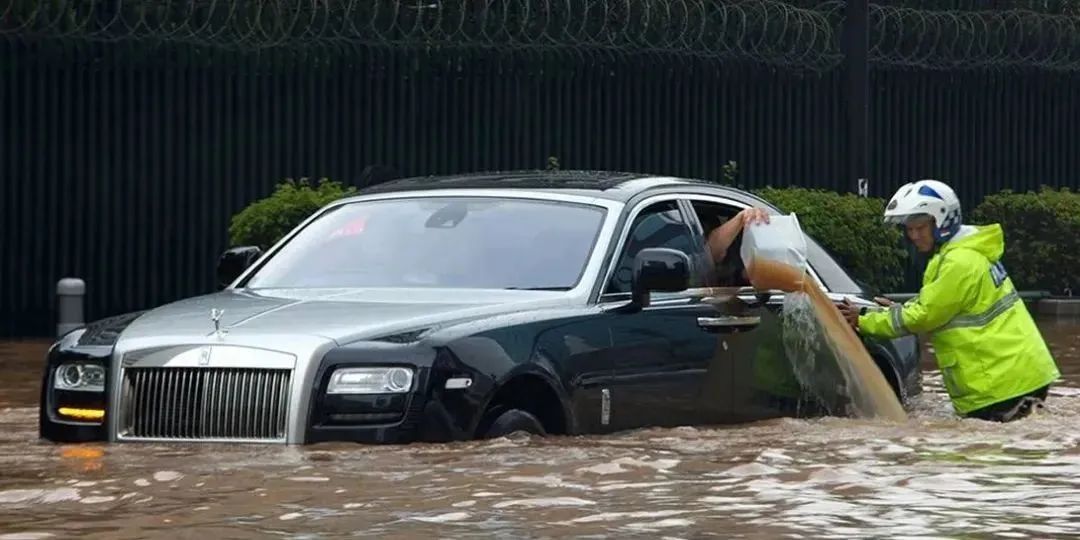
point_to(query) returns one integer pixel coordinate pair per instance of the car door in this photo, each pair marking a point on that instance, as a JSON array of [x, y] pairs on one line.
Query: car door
[[666, 369], [766, 381]]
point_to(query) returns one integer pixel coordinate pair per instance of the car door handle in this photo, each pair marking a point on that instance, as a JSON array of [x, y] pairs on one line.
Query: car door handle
[[711, 323]]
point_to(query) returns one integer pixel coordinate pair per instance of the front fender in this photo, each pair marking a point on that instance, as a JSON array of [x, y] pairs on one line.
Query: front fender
[[53, 427], [542, 368]]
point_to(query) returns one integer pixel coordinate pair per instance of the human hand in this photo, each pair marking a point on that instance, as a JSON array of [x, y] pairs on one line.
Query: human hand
[[883, 301], [850, 312], [753, 215]]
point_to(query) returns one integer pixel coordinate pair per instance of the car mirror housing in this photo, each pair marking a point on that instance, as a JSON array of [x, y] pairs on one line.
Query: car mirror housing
[[234, 261], [658, 269]]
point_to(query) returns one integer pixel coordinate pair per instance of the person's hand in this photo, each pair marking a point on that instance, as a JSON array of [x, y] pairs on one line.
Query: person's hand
[[850, 312], [883, 301], [753, 215]]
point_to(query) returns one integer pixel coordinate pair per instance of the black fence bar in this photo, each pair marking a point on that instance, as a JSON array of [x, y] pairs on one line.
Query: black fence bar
[[857, 90], [122, 163]]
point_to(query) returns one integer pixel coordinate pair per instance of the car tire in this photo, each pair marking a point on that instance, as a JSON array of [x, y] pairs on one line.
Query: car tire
[[512, 420]]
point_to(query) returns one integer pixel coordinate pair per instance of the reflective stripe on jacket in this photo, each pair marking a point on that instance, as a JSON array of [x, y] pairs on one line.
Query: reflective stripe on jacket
[[985, 340]]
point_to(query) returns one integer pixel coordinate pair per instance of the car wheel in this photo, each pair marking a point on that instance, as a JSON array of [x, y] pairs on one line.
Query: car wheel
[[509, 421]]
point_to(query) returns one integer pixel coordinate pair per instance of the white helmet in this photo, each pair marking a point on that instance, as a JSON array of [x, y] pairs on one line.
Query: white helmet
[[926, 197]]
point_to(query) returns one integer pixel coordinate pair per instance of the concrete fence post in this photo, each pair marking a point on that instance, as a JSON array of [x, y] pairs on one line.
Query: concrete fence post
[[70, 293]]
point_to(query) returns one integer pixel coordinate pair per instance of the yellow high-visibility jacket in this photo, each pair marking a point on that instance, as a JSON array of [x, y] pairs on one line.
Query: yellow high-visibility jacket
[[985, 340]]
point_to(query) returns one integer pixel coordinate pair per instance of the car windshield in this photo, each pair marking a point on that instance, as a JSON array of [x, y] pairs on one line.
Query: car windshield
[[454, 242]]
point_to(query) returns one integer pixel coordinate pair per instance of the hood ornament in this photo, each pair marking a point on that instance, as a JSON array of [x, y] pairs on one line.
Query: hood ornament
[[215, 316]]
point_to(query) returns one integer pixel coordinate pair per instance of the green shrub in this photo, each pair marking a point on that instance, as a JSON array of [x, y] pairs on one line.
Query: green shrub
[[850, 228], [1042, 236], [266, 220]]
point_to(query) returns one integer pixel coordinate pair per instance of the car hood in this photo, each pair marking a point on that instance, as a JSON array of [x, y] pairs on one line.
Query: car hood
[[333, 314]]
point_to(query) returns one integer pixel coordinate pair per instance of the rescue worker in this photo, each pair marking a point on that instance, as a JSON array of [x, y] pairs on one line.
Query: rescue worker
[[993, 359]]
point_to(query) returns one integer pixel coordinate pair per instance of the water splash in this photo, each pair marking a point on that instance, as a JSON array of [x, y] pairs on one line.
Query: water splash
[[830, 361], [812, 360]]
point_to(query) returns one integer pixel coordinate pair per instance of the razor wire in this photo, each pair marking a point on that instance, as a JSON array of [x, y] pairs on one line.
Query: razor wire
[[761, 30], [766, 31], [1014, 38]]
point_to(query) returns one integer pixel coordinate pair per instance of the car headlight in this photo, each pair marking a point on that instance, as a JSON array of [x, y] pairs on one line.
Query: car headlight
[[80, 377], [393, 380]]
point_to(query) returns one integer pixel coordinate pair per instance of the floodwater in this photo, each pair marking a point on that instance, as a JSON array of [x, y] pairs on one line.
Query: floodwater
[[828, 478]]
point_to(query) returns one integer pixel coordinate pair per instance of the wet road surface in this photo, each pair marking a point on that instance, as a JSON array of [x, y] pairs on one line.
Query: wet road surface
[[936, 476]]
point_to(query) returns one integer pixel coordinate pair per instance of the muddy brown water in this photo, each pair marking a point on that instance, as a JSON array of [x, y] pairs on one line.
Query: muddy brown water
[[935, 476], [870, 392]]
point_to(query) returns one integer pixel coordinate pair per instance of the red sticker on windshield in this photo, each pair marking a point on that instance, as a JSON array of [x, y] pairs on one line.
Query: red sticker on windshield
[[351, 228]]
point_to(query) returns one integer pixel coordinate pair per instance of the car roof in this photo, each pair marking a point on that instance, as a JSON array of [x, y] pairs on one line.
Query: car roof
[[618, 186]]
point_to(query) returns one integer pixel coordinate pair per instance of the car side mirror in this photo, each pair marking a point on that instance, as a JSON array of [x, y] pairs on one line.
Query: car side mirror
[[234, 261], [658, 269]]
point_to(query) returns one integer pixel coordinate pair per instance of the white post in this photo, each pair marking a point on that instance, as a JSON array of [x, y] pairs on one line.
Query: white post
[[69, 297]]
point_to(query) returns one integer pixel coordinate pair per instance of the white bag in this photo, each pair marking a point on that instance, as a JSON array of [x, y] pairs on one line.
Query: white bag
[[780, 240]]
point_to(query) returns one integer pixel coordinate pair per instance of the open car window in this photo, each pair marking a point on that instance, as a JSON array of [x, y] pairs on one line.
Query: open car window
[[711, 213], [445, 242]]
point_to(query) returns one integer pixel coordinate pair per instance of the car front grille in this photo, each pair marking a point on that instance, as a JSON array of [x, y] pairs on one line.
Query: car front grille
[[204, 404]]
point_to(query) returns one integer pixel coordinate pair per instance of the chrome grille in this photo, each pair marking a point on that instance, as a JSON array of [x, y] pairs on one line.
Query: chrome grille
[[204, 403]]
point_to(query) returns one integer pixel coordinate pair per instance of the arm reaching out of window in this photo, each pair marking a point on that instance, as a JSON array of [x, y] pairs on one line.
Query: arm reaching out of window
[[721, 238]]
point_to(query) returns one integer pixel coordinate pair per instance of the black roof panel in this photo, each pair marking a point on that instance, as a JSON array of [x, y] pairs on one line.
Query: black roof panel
[[609, 184]]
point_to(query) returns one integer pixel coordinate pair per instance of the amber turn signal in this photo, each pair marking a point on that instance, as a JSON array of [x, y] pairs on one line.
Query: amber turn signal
[[82, 414]]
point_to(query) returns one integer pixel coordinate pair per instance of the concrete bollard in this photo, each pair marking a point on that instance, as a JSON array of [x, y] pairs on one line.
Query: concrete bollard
[[70, 293]]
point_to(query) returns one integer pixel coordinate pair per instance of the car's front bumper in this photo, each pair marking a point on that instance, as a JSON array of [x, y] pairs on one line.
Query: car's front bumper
[[430, 412], [176, 394], [377, 419], [53, 423]]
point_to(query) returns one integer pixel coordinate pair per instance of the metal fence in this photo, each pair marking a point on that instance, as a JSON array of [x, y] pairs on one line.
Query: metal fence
[[797, 34], [127, 141]]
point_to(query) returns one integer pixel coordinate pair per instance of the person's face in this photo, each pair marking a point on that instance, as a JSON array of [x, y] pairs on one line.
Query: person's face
[[920, 231]]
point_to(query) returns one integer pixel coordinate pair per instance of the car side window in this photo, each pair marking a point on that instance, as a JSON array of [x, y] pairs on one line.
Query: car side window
[[658, 225], [729, 271]]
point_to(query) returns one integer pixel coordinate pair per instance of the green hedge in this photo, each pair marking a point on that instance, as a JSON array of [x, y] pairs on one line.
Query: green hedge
[[850, 228], [266, 220], [1042, 236]]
